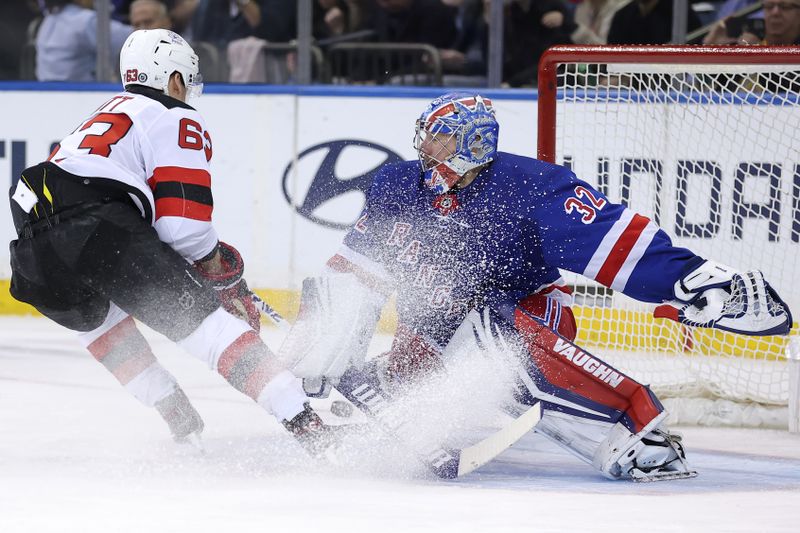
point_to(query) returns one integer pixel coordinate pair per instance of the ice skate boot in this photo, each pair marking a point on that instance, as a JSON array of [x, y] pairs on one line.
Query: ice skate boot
[[656, 456], [182, 418], [661, 457], [312, 433]]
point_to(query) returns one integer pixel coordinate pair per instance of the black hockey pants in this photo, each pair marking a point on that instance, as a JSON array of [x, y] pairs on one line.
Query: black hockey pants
[[82, 247]]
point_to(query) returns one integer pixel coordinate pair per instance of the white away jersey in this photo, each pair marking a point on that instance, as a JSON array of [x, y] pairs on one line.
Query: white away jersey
[[158, 150]]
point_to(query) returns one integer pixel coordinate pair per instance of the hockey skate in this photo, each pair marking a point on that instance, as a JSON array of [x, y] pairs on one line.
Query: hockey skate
[[312, 433], [660, 457], [182, 418], [656, 456]]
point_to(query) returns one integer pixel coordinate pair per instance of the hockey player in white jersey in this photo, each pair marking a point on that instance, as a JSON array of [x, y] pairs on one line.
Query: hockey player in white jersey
[[471, 240], [116, 225]]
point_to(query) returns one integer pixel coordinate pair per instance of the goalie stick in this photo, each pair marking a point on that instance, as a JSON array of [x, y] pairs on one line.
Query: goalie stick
[[446, 463]]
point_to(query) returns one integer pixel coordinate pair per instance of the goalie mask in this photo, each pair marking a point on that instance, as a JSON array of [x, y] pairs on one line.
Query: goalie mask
[[149, 57], [455, 134]]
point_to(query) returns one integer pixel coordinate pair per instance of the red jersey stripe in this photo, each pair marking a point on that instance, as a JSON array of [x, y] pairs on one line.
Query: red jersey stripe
[[178, 207], [192, 176], [621, 249]]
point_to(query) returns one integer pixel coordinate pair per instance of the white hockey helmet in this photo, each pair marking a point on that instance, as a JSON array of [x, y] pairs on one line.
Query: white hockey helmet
[[149, 57]]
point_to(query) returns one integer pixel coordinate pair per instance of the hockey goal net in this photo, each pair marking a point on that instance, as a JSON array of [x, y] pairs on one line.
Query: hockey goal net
[[704, 141]]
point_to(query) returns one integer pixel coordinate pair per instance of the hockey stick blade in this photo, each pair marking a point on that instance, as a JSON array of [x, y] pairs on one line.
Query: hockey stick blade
[[479, 454], [445, 463], [364, 391]]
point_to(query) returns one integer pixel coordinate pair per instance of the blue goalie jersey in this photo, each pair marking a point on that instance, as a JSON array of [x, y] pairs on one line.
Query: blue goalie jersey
[[498, 240]]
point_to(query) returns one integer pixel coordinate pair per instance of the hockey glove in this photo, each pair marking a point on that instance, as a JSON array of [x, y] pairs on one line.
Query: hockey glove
[[337, 318], [227, 280], [712, 295]]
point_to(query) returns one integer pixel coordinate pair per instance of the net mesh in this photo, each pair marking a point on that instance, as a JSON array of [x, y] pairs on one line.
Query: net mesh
[[710, 153]]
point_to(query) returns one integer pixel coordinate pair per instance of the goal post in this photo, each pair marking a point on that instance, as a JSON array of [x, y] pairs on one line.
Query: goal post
[[704, 141]]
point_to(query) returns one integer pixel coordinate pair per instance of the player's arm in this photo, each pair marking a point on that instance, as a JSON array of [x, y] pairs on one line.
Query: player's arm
[[223, 267], [582, 231], [177, 160], [177, 151]]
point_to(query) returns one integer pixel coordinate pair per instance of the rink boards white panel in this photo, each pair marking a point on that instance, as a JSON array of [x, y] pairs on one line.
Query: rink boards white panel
[[256, 140], [262, 145]]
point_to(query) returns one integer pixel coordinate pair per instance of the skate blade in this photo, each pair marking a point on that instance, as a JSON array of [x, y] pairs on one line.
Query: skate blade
[[195, 441], [642, 477]]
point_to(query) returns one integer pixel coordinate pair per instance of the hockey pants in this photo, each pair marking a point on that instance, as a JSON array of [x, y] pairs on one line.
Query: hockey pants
[[88, 247]]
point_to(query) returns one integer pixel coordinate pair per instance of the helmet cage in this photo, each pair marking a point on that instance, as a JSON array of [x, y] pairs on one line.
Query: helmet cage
[[467, 118]]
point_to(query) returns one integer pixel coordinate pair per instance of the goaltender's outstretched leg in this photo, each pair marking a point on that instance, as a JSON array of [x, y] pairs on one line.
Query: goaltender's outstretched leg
[[595, 411]]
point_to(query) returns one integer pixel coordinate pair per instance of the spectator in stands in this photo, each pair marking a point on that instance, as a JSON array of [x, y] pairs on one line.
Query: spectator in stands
[[149, 15], [414, 21], [467, 55], [279, 21], [593, 18], [179, 12], [120, 10], [15, 19], [729, 7], [531, 27], [66, 44], [781, 23], [250, 60], [330, 18], [646, 22], [221, 21], [781, 26], [728, 28]]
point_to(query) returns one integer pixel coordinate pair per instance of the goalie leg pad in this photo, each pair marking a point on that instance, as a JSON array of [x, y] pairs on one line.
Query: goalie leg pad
[[572, 380]]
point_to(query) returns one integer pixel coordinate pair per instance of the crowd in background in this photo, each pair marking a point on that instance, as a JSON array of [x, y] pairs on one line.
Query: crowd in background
[[59, 37]]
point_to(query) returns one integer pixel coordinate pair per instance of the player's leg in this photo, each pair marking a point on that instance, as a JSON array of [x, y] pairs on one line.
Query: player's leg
[[150, 281], [120, 347], [597, 412], [413, 355], [84, 247], [45, 258]]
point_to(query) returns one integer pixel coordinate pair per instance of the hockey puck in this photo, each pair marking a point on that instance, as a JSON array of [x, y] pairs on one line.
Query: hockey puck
[[341, 409]]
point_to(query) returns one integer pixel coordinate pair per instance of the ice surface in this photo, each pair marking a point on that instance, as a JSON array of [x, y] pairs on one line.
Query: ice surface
[[77, 453]]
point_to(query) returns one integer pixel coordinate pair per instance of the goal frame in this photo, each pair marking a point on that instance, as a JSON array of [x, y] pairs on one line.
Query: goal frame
[[675, 55], [655, 55]]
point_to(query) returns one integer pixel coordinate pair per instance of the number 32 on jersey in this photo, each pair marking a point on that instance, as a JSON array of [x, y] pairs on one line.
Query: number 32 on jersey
[[586, 203]]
